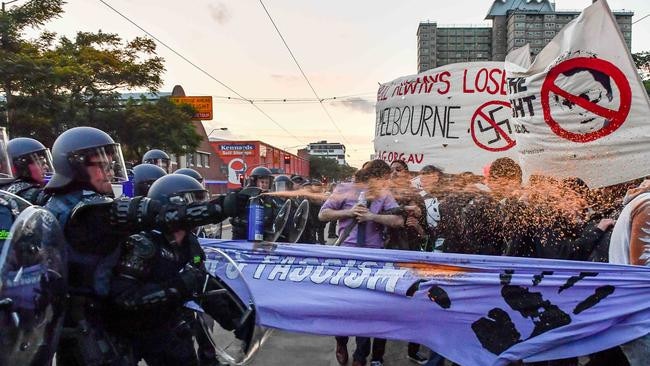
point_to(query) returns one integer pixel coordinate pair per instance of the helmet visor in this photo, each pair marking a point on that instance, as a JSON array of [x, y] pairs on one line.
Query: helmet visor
[[185, 198], [281, 186], [39, 162], [109, 160], [5, 163], [165, 164]]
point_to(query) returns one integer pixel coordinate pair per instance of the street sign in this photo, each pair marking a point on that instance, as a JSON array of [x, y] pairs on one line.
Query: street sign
[[202, 105]]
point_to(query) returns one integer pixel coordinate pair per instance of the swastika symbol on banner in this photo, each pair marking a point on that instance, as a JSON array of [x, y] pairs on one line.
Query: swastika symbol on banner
[[490, 127]]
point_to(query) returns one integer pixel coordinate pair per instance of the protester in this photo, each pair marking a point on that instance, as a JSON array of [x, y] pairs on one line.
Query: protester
[[630, 245], [363, 209], [555, 224], [331, 226], [412, 205], [413, 235]]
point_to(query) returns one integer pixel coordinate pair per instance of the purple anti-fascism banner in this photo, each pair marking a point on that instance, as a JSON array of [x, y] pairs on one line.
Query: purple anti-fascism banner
[[474, 310]]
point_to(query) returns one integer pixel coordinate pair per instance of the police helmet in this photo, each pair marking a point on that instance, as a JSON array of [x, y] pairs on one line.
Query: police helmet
[[177, 189], [72, 153], [260, 172], [24, 151], [157, 157], [143, 177], [298, 180], [312, 183], [191, 173], [282, 183]]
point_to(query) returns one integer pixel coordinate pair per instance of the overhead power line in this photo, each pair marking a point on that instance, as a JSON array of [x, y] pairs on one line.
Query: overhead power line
[[638, 20], [200, 69], [303, 73]]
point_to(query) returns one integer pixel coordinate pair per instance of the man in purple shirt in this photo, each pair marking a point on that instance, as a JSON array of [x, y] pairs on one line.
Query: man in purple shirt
[[362, 209]]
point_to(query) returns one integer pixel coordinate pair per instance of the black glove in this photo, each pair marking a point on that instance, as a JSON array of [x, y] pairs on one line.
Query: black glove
[[189, 216], [191, 281], [134, 213]]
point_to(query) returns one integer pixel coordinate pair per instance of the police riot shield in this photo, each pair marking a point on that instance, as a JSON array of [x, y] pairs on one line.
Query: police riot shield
[[281, 211], [299, 221], [32, 285], [226, 313]]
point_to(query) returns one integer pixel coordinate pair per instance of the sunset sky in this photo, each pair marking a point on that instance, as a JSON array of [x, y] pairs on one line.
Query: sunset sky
[[346, 47]]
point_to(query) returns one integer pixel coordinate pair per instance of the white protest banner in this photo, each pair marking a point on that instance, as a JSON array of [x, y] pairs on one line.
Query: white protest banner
[[456, 117], [580, 109]]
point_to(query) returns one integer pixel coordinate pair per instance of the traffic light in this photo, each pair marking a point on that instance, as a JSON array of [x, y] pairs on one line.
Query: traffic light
[[287, 159]]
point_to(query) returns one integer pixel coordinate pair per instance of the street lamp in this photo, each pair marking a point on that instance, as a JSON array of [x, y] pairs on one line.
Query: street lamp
[[217, 129], [7, 3]]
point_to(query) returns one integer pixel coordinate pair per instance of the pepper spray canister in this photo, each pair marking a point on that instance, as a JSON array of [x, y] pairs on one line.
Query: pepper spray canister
[[255, 219]]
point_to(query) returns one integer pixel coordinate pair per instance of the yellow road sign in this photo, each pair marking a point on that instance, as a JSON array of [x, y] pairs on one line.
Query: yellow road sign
[[203, 106]]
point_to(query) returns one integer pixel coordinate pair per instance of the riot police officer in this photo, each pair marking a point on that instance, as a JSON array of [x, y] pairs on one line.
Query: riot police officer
[[191, 173], [282, 183], [259, 181], [86, 162], [31, 161], [158, 157], [205, 349], [143, 177], [157, 272], [315, 229]]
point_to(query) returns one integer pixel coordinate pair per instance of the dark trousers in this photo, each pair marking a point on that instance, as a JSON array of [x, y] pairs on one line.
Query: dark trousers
[[167, 347], [363, 348], [331, 231]]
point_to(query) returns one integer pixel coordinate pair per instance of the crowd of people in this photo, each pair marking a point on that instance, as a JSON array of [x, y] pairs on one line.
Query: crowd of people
[[134, 261], [388, 206]]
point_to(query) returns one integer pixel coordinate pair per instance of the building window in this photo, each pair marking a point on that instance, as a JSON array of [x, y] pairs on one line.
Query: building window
[[189, 160], [197, 160], [202, 159]]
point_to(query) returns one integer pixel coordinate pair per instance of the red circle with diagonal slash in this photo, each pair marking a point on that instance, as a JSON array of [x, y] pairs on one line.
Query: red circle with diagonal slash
[[616, 118], [479, 112]]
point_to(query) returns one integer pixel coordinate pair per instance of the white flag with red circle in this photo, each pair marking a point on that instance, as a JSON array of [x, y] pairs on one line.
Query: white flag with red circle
[[580, 108]]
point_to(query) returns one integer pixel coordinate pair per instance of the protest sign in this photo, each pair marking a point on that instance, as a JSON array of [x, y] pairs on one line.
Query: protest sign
[[456, 117], [580, 109]]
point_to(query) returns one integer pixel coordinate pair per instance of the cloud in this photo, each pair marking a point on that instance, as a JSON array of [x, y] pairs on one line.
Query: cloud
[[356, 104], [220, 13], [289, 79]]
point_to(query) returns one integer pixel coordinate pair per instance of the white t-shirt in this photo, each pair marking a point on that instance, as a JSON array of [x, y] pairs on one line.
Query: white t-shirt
[[619, 245]]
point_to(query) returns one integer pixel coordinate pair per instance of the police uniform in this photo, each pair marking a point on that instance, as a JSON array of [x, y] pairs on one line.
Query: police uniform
[[30, 191], [148, 291], [92, 249], [239, 219]]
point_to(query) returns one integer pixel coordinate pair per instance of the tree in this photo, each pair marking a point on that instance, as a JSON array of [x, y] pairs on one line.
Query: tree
[[164, 125], [54, 83], [642, 61], [67, 83], [17, 56], [320, 168]]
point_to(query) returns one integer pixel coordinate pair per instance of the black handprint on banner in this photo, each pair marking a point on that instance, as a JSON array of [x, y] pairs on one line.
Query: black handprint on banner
[[497, 332]]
